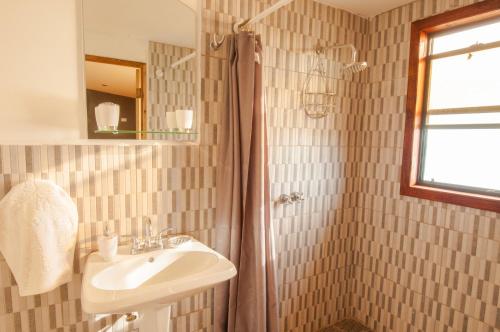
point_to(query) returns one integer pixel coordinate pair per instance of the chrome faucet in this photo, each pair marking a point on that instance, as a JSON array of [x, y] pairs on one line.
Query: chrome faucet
[[149, 232], [150, 242], [164, 232]]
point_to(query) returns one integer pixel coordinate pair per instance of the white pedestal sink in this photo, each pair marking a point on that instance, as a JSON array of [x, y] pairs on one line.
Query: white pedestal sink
[[155, 320], [150, 282]]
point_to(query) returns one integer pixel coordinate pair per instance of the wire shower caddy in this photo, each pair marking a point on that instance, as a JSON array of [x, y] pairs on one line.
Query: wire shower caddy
[[319, 102], [318, 96]]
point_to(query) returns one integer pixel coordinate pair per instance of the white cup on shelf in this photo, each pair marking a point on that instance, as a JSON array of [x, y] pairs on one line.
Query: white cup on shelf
[[107, 116], [184, 119]]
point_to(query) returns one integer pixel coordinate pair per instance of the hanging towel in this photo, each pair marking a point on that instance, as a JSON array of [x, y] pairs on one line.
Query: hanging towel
[[38, 227]]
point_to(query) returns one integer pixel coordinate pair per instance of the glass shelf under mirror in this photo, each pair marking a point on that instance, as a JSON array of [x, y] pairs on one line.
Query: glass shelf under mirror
[[154, 134]]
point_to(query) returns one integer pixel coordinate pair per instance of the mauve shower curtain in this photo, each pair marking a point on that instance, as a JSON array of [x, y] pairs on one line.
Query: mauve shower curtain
[[248, 302]]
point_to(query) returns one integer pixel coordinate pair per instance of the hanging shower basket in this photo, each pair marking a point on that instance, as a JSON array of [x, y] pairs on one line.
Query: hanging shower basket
[[318, 97]]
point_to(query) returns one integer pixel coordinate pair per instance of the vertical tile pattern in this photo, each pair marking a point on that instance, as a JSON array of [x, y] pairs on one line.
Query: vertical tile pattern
[[310, 156], [110, 184], [314, 241], [176, 184], [169, 88], [353, 249], [419, 265]]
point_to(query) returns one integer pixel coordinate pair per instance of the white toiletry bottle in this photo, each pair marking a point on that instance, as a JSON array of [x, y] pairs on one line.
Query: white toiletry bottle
[[108, 245]]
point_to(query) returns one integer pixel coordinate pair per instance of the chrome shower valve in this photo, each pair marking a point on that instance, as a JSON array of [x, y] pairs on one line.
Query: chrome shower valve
[[296, 197], [285, 199]]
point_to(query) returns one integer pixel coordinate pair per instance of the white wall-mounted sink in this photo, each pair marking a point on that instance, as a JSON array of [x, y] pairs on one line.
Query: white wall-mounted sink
[[152, 269], [151, 280]]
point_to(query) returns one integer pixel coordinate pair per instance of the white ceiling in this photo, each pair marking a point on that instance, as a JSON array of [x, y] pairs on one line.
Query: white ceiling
[[365, 8], [108, 78]]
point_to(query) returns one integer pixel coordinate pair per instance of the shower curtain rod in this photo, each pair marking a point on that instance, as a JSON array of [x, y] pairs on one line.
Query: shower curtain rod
[[260, 16], [183, 59], [241, 24]]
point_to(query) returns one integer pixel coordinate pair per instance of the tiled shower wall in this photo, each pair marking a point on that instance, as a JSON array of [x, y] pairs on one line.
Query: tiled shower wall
[[307, 155], [176, 185], [419, 265]]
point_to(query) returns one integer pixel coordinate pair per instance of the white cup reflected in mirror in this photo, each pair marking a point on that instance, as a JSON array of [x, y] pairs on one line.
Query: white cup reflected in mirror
[[184, 120], [171, 121], [107, 116]]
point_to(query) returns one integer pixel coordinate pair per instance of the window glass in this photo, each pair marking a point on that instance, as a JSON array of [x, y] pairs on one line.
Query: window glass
[[461, 39], [464, 81], [463, 157], [453, 108], [474, 118]]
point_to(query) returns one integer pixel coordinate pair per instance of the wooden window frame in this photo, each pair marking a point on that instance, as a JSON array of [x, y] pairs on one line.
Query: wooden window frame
[[416, 94]]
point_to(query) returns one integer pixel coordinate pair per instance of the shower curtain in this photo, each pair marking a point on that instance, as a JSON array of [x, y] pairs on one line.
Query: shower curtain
[[248, 302]]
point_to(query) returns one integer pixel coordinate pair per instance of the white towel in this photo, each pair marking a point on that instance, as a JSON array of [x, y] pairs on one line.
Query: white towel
[[38, 227]]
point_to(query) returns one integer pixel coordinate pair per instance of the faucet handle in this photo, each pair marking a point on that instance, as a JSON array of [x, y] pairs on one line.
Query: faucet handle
[[285, 199], [165, 230], [149, 226], [137, 244]]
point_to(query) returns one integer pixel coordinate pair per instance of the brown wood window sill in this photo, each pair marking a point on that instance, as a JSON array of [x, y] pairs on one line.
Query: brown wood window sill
[[478, 201]]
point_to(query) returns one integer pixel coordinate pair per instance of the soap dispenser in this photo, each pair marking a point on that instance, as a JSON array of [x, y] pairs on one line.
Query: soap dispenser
[[107, 244]]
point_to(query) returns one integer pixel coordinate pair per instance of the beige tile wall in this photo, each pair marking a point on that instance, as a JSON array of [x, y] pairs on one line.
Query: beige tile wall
[[113, 184], [353, 248], [419, 265], [176, 89], [310, 156], [177, 184]]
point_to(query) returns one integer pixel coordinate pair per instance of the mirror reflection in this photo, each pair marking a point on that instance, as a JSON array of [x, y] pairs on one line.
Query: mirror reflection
[[140, 69]]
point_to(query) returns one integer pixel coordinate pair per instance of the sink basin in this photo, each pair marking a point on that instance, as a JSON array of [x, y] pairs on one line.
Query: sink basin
[[159, 278], [155, 268]]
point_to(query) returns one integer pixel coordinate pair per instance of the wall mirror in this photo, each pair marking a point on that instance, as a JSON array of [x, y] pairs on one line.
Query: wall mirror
[[142, 69]]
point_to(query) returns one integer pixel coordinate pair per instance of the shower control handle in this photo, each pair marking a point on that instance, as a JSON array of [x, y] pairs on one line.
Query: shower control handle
[[285, 199], [297, 197]]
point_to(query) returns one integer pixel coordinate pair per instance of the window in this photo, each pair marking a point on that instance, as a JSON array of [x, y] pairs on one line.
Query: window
[[452, 135]]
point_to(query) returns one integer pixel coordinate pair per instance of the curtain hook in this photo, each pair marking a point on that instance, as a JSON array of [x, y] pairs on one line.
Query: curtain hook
[[215, 44]]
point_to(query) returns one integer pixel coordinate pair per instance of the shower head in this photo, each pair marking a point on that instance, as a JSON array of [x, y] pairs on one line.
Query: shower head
[[355, 67]]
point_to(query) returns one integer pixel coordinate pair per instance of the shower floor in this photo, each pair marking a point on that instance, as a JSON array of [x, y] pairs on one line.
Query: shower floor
[[347, 325]]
